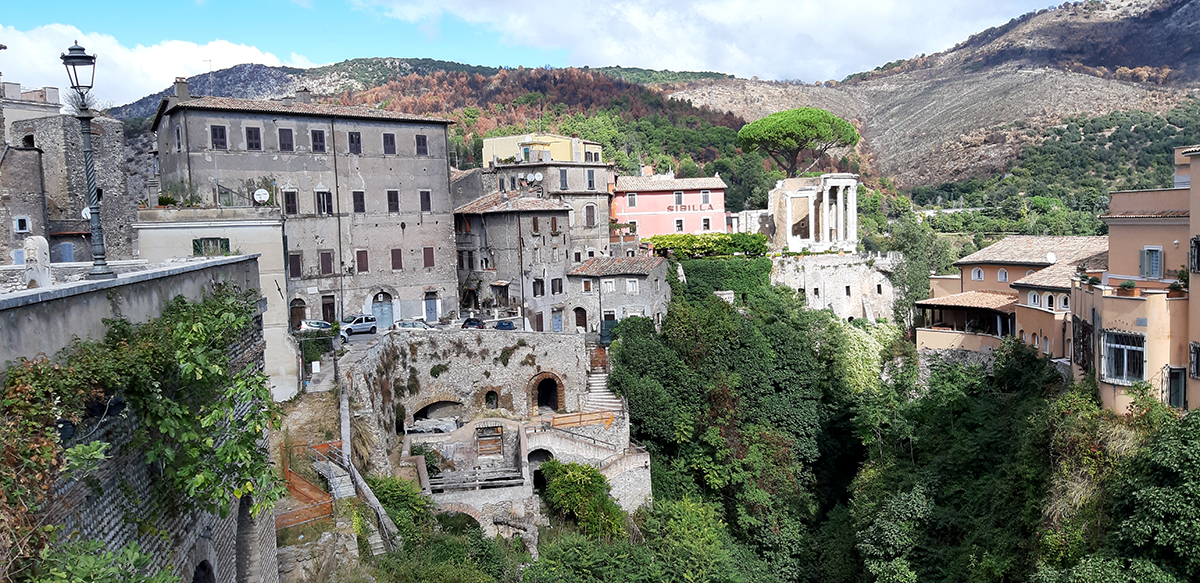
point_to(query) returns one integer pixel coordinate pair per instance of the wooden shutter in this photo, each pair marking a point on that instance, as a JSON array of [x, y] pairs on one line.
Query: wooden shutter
[[360, 260], [1142, 263], [294, 267], [397, 259], [429, 257]]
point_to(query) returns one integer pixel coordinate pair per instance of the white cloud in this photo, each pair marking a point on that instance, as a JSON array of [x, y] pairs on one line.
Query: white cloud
[[123, 74], [780, 39]]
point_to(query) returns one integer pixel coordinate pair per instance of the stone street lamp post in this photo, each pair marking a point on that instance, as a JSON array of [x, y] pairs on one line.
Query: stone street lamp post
[[81, 68]]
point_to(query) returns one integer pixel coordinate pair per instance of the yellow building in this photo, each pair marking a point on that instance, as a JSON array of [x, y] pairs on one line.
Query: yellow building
[[1129, 323], [540, 147]]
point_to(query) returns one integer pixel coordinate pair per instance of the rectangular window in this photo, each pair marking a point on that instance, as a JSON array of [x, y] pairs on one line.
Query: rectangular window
[[1124, 357], [562, 178], [393, 201], [253, 138], [422, 145], [631, 200], [705, 197], [578, 257], [1194, 362], [291, 201], [631, 286], [1194, 256], [553, 225], [471, 260], [590, 215], [512, 182], [608, 286], [295, 265], [847, 291], [426, 201], [326, 262], [535, 224], [360, 201], [591, 180], [1151, 263], [178, 138], [816, 292], [389, 144], [1177, 388], [706, 224], [324, 203], [556, 285], [210, 246], [879, 289], [360, 261], [539, 288], [587, 286], [428, 252], [632, 227], [318, 140], [218, 138], [678, 198], [354, 142], [397, 259], [678, 225], [286, 143], [537, 322], [461, 257], [22, 224]]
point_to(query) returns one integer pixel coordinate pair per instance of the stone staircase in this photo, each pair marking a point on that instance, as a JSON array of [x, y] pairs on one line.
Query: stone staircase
[[599, 398], [341, 485], [375, 540]]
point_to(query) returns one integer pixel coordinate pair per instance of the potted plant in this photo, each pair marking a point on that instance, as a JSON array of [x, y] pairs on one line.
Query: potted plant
[[1128, 288], [1176, 290], [165, 200]]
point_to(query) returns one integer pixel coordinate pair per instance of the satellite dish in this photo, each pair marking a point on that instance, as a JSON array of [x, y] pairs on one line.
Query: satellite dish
[[87, 213], [261, 196], [537, 177], [1051, 258]]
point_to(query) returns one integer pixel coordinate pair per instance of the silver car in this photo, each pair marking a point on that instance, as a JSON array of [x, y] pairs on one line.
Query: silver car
[[357, 324]]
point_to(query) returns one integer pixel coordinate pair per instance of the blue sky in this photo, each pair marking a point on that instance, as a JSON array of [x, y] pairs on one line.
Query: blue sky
[[143, 45]]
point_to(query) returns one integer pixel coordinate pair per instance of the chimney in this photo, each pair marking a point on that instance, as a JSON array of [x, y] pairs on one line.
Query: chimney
[[303, 95], [288, 100], [181, 88]]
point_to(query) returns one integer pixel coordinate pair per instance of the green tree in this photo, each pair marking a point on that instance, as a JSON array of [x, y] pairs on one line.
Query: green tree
[[786, 134]]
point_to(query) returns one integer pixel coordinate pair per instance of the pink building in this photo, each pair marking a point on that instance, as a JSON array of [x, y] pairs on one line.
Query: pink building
[[663, 204]]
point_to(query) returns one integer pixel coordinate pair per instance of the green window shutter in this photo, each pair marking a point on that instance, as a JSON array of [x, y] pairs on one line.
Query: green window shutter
[[197, 247], [1142, 263], [225, 246]]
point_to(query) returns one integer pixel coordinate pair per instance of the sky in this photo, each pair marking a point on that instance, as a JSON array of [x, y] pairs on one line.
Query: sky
[[142, 46]]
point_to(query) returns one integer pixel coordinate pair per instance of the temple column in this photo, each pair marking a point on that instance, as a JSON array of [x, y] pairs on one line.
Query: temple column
[[852, 215], [839, 216]]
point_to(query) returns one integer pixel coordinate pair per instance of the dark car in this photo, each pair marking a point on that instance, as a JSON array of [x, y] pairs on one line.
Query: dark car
[[505, 325], [473, 323]]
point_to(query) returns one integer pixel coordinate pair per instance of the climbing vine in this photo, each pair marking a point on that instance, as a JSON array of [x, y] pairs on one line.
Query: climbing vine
[[201, 416]]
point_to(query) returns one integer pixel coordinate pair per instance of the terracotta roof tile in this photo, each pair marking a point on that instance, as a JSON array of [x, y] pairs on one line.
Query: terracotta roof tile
[[602, 266], [990, 300], [501, 202], [296, 108], [1147, 215], [1059, 275], [1032, 249], [656, 183]]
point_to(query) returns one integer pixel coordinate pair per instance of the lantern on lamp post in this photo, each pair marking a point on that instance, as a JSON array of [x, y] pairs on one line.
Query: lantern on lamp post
[[81, 69]]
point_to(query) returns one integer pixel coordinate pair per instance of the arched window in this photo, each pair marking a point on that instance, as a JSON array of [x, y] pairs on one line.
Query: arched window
[[1036, 343], [977, 274], [1029, 273], [1035, 300], [1049, 301], [1023, 339], [1046, 344], [1065, 302], [1002, 275]]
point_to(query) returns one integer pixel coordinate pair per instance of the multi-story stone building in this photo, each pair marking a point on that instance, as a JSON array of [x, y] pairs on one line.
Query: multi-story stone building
[[615, 288], [17, 104], [364, 195], [513, 253]]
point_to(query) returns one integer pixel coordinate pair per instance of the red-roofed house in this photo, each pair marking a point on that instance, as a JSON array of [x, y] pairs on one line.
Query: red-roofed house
[[663, 204]]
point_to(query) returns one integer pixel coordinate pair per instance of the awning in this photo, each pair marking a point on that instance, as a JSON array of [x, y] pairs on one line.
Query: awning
[[500, 283]]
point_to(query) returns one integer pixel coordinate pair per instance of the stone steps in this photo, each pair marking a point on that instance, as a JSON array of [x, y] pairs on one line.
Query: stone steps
[[341, 485], [599, 398]]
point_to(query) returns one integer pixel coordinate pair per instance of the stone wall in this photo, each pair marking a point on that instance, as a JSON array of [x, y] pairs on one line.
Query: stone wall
[[406, 371], [319, 560], [825, 278], [21, 195], [120, 503]]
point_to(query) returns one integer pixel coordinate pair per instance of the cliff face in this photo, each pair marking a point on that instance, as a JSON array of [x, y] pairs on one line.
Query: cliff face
[[970, 110]]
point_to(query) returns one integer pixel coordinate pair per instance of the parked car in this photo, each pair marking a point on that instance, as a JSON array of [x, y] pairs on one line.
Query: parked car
[[475, 323], [505, 325], [315, 326], [358, 324], [412, 325]]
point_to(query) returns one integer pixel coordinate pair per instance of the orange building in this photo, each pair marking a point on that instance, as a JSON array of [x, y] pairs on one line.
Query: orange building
[[1019, 286], [1129, 322]]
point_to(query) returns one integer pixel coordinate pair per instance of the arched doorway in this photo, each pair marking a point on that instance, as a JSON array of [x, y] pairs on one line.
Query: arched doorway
[[204, 573], [438, 410], [491, 400], [581, 318], [299, 311], [536, 458], [547, 394], [381, 308]]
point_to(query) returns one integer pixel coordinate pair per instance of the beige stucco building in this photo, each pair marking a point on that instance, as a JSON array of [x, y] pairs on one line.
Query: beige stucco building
[[540, 147]]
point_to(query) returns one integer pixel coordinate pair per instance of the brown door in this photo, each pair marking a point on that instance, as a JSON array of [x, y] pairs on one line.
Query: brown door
[[328, 311], [537, 322], [299, 312], [581, 318]]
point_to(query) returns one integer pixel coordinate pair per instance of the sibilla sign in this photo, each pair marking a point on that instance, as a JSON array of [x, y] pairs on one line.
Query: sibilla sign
[[689, 207]]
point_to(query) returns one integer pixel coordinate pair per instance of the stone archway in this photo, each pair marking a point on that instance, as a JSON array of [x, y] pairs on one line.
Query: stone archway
[[546, 390]]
